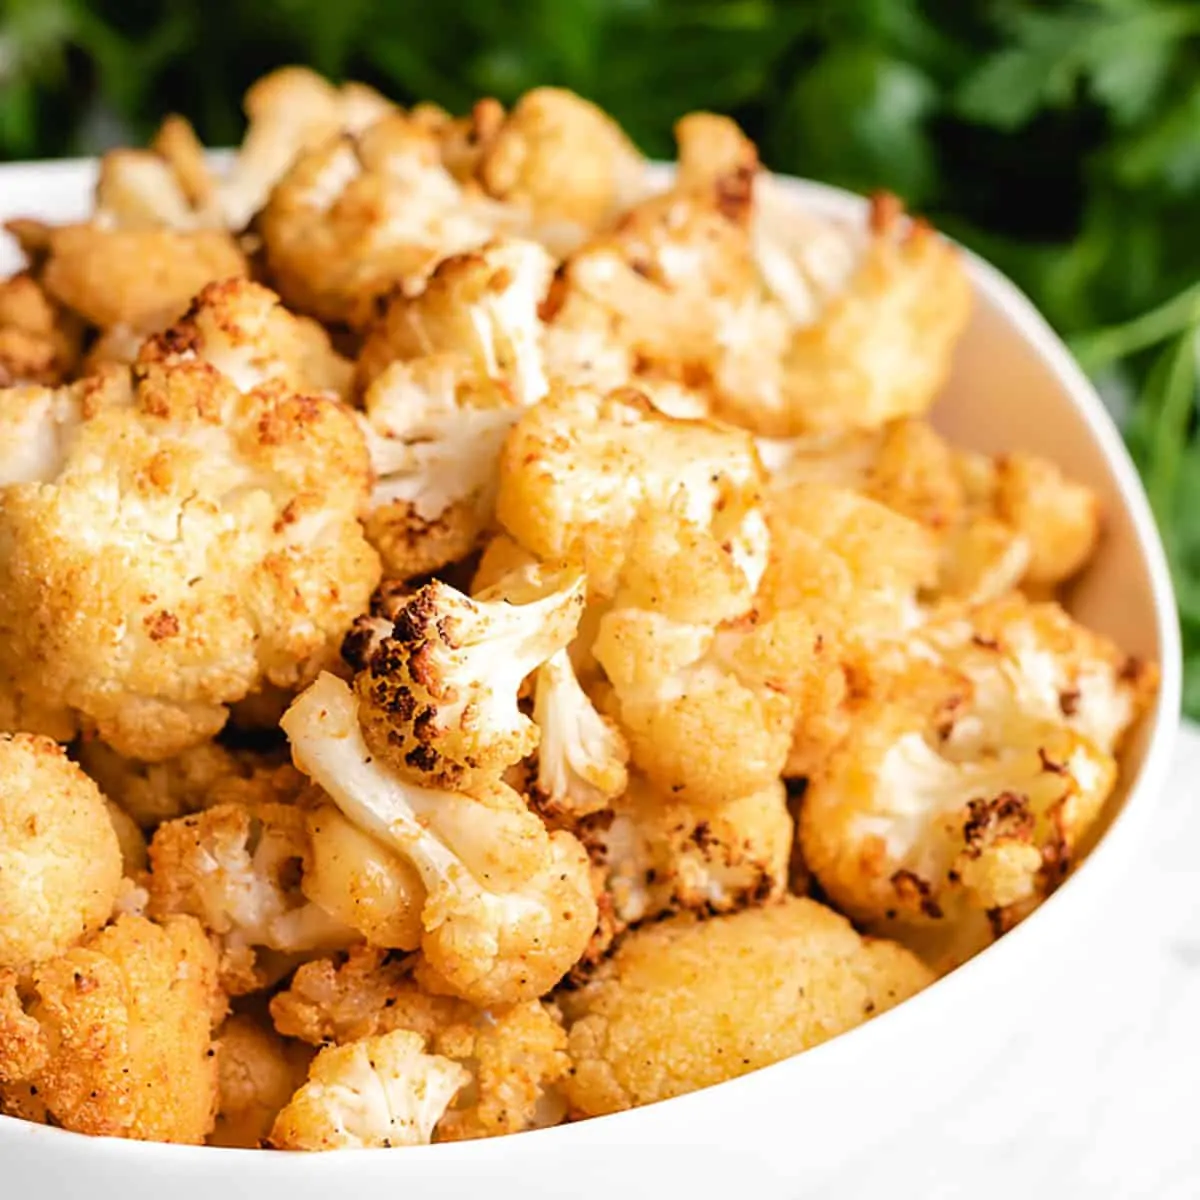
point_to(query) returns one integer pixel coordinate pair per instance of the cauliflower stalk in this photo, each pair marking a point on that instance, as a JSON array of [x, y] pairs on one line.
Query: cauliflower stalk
[[438, 693], [508, 907]]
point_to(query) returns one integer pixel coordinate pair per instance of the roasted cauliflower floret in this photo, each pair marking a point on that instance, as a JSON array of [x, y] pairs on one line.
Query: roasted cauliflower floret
[[438, 693], [355, 217], [508, 906], [257, 1074], [564, 161], [938, 830], [39, 343], [60, 861], [515, 1054], [660, 855], [998, 523], [290, 111], [878, 345], [114, 1037], [684, 1004], [580, 467], [464, 358], [380, 1092], [238, 869], [1037, 657], [481, 307], [192, 545], [202, 777], [581, 754]]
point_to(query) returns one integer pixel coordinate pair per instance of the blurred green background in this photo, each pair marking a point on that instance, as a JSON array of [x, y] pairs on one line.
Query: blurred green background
[[1060, 139]]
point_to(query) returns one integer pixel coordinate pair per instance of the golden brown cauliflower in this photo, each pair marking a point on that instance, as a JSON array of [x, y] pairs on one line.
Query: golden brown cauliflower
[[661, 855], [39, 342], [945, 819], [508, 907], [380, 1092], [786, 322], [202, 777], [580, 467], [684, 1004], [257, 1074], [438, 692], [290, 111], [146, 251], [448, 374], [1015, 519], [60, 860], [114, 1037], [238, 869], [191, 544], [515, 1054], [562, 160], [357, 216]]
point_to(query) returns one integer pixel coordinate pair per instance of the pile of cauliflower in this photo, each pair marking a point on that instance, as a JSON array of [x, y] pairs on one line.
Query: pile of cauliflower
[[489, 641]]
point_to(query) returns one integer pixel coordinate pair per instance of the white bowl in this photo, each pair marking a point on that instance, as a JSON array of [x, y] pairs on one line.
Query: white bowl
[[782, 1130]]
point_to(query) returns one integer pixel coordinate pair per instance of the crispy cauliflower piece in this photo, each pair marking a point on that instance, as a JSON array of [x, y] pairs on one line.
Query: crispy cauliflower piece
[[515, 1054], [463, 359], [380, 1092], [788, 322], [257, 1074], [202, 777], [438, 693], [290, 111], [581, 755], [580, 467], [355, 217], [190, 545], [508, 906], [684, 1004], [1050, 666], [238, 869], [999, 523], [661, 855], [60, 860], [39, 342], [140, 278], [482, 307], [38, 425], [951, 819], [879, 344], [563, 160], [113, 1038]]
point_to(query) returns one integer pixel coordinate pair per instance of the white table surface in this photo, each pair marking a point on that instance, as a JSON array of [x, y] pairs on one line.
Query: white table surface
[[1102, 1099]]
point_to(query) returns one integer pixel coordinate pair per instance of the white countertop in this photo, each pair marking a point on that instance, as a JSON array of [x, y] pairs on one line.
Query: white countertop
[[1102, 1099]]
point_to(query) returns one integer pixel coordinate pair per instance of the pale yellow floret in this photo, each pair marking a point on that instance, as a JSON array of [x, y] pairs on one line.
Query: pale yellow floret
[[113, 1038], [60, 859], [684, 1004], [258, 1072]]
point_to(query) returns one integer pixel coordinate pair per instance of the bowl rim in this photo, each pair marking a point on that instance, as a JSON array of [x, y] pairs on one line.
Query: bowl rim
[[953, 991]]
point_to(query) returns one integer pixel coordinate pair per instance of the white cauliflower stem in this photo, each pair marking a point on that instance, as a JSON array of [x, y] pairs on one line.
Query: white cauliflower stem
[[508, 907]]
